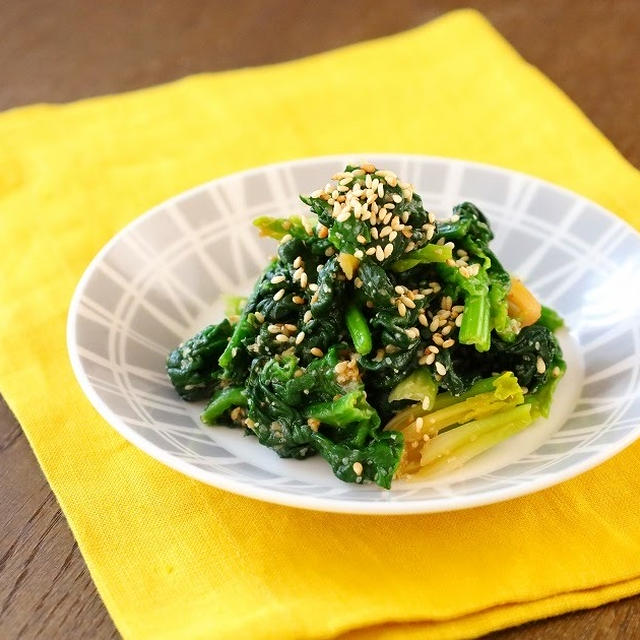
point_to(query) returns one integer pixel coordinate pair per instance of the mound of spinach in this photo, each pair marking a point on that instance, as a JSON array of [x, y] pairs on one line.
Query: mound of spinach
[[294, 401]]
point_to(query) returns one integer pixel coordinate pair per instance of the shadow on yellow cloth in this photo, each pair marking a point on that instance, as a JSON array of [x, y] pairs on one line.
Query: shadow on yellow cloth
[[173, 558]]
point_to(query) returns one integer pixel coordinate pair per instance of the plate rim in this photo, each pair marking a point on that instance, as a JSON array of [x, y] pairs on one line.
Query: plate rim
[[300, 500]]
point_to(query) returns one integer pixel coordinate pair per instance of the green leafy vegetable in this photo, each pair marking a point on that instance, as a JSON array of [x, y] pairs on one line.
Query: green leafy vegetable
[[378, 337]]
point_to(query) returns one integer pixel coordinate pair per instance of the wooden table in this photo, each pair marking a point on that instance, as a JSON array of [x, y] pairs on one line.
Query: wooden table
[[67, 50]]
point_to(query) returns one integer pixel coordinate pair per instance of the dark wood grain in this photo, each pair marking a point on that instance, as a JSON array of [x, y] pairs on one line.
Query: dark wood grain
[[60, 51]]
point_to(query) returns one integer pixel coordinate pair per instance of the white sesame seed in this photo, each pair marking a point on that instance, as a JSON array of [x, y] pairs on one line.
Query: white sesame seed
[[440, 368], [361, 239], [393, 235], [385, 231], [447, 344], [402, 310], [297, 262], [388, 250], [358, 283], [379, 253], [437, 338], [435, 323], [358, 468], [259, 317], [313, 286], [541, 366], [422, 319], [380, 190], [430, 359], [277, 279], [300, 337], [316, 351], [285, 238], [396, 198], [459, 320], [370, 251], [274, 328], [307, 316], [282, 338], [303, 279], [446, 330], [297, 300], [408, 302], [278, 295], [374, 233]]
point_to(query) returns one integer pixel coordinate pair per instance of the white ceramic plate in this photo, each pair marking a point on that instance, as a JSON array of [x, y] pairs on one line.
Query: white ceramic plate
[[159, 280]]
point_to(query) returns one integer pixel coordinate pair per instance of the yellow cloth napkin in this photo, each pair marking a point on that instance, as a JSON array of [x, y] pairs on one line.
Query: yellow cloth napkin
[[173, 558]]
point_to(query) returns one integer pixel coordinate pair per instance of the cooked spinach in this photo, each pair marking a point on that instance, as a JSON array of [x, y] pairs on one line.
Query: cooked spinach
[[370, 307]]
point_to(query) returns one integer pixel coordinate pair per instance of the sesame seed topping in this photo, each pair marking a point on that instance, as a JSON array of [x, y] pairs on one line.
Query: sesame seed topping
[[541, 366], [402, 309], [303, 280], [316, 351], [379, 253], [259, 317], [300, 337], [277, 296], [430, 359], [388, 250], [422, 319], [282, 338], [447, 344], [361, 239], [358, 468], [408, 302], [307, 316], [440, 368], [297, 300], [396, 198], [277, 279]]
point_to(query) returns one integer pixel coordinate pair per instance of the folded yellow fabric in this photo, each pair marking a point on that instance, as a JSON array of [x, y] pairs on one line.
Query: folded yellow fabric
[[176, 559]]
